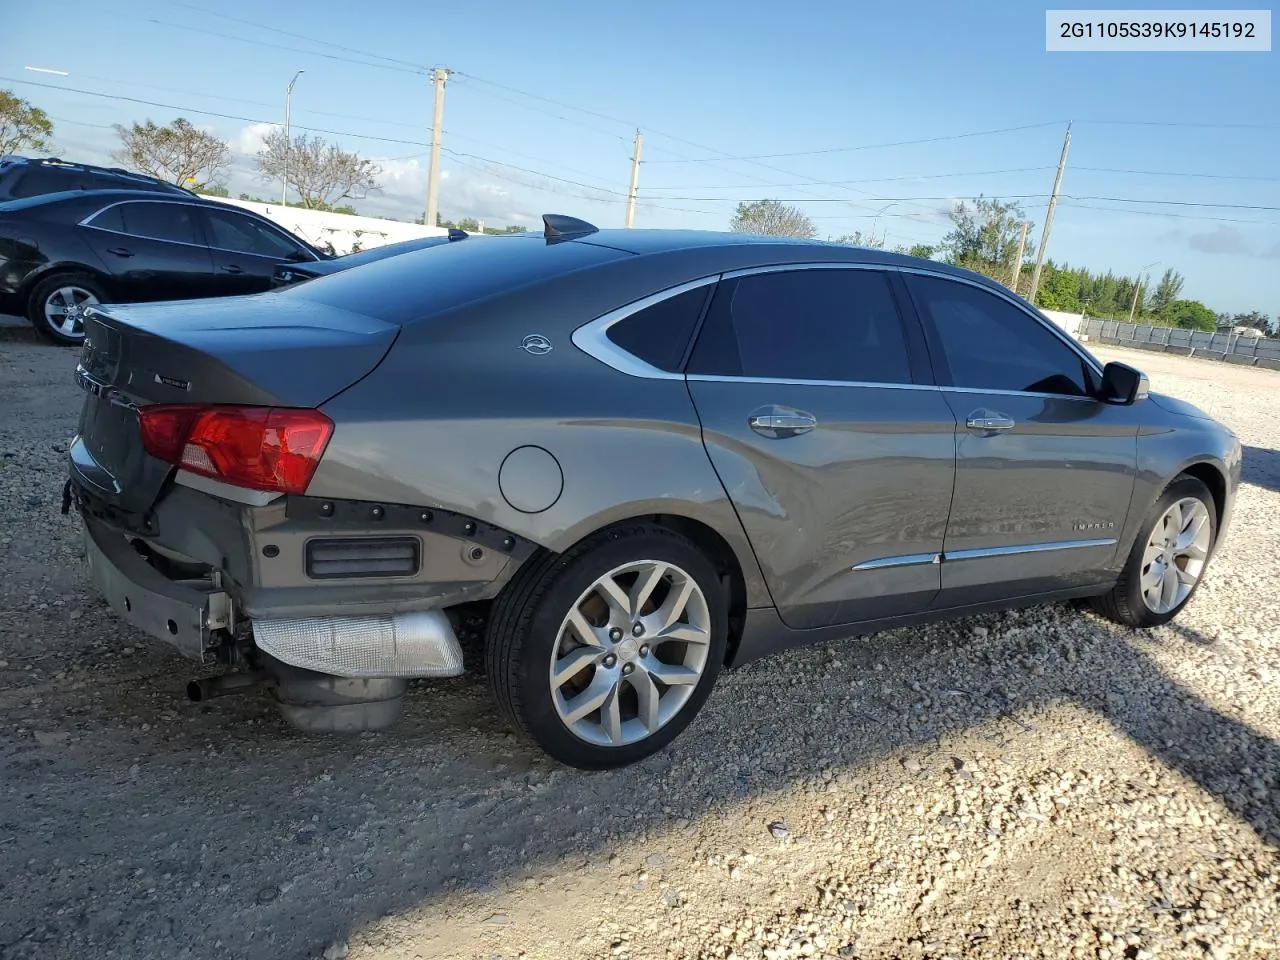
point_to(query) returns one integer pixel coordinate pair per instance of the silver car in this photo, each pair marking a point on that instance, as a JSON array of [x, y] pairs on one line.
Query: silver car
[[616, 461]]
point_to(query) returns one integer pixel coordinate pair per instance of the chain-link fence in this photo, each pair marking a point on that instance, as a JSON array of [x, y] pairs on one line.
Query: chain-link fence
[[1231, 347]]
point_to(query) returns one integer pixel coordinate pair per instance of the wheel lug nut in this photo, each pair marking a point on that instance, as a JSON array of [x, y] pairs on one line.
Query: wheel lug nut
[[615, 634], [627, 668], [638, 629], [610, 660], [644, 649]]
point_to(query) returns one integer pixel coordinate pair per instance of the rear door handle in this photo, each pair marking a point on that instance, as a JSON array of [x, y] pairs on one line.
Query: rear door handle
[[984, 420], [778, 422], [232, 268], [120, 251]]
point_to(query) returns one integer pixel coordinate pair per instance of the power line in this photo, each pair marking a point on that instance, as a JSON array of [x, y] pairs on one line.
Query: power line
[[1180, 203], [840, 183], [1185, 123], [1166, 213], [878, 146], [1174, 173], [281, 46], [299, 36], [548, 113]]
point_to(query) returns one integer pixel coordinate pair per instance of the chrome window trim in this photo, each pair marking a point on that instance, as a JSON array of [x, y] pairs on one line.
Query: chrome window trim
[[906, 560], [783, 381], [88, 222], [982, 553], [592, 337]]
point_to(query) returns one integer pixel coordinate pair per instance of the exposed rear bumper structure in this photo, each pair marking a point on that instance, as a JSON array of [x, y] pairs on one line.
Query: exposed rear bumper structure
[[184, 613]]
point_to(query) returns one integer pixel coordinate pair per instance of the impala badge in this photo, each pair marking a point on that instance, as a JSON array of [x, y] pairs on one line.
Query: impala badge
[[536, 344]]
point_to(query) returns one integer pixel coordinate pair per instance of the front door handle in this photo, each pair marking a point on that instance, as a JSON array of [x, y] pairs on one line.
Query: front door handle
[[232, 268], [120, 251], [984, 420], [778, 422]]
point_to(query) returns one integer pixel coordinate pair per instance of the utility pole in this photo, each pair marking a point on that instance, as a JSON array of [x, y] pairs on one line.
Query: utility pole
[[1133, 304], [1017, 261], [1048, 217], [438, 77], [288, 134], [635, 179], [1142, 279]]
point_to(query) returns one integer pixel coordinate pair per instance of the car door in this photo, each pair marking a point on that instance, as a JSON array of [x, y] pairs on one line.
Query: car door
[[1044, 471], [153, 249], [838, 453], [246, 250]]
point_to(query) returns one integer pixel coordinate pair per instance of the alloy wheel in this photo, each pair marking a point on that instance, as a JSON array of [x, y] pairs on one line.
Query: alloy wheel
[[1175, 555], [630, 653], [64, 309]]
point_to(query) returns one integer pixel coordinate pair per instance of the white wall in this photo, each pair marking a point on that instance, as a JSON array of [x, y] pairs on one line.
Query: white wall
[[1069, 322], [341, 229]]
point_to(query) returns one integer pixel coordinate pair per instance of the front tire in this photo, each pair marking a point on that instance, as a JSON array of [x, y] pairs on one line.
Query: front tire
[[604, 654], [1168, 558], [56, 306]]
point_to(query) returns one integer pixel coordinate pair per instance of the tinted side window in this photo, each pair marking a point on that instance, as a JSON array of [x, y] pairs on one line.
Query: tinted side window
[[659, 335], [990, 344], [41, 180], [805, 325], [230, 231], [159, 221]]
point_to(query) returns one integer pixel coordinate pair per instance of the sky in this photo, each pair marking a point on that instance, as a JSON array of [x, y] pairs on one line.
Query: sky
[[871, 117]]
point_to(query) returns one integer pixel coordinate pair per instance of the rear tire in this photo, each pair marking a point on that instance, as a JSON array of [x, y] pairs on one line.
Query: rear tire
[[601, 676], [1168, 559], [55, 306]]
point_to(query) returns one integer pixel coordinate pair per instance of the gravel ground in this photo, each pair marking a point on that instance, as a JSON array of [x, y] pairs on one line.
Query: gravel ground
[[1036, 784]]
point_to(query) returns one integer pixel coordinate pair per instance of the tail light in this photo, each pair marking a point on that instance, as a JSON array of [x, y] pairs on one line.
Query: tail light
[[263, 448]]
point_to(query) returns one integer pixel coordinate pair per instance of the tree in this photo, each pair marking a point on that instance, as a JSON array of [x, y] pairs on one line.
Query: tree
[[984, 237], [858, 239], [22, 126], [924, 251], [1190, 315], [1166, 291], [773, 219], [180, 153], [320, 172]]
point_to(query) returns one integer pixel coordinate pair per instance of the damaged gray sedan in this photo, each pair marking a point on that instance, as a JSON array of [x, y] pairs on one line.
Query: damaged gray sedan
[[622, 460]]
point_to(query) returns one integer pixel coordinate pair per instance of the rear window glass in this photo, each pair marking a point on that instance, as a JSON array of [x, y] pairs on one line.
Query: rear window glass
[[415, 285]]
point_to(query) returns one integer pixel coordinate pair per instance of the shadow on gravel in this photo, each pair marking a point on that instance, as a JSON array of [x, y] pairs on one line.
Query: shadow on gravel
[[220, 831], [1262, 467]]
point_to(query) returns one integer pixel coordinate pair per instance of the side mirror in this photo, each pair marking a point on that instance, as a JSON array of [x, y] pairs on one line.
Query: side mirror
[[1123, 384]]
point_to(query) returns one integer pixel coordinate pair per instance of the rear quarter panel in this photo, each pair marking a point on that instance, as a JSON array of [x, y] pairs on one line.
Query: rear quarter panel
[[456, 395]]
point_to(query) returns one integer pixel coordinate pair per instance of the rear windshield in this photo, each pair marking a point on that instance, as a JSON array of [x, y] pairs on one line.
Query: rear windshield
[[414, 285]]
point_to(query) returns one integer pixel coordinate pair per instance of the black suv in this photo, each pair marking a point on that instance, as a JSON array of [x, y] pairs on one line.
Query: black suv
[[22, 177]]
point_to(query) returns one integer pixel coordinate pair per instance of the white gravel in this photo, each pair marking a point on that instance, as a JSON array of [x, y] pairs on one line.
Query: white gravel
[[1036, 784]]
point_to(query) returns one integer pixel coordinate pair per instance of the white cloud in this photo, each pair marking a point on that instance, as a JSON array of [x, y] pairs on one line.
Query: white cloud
[[250, 139]]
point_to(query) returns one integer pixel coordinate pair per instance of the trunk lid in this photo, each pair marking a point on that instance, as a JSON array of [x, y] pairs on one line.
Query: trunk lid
[[263, 350]]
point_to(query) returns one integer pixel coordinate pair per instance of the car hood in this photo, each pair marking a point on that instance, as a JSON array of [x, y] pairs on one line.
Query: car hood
[[1180, 407]]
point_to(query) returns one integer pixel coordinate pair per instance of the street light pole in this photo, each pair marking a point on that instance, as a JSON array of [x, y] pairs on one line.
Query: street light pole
[[1138, 289], [288, 134]]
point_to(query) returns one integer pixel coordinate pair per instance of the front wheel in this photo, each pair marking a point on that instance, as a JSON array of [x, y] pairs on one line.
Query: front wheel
[[1168, 559], [602, 655], [57, 304]]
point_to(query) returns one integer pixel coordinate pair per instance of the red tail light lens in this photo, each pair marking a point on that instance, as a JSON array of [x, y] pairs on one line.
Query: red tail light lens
[[263, 448]]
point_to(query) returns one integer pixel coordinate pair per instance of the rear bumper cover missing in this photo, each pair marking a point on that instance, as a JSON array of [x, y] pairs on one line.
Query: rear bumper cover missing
[[186, 614]]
